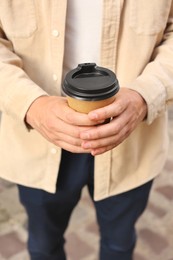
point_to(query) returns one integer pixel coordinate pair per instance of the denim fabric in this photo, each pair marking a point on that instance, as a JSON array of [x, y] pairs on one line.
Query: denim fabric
[[49, 214]]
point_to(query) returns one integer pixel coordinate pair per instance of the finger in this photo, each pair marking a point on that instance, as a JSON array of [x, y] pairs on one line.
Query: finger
[[66, 142], [101, 150], [61, 137], [97, 144], [106, 143], [72, 148], [112, 110], [61, 110], [76, 118], [105, 130], [56, 125]]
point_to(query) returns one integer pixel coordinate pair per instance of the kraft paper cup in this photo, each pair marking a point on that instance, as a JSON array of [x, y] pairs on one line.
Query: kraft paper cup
[[89, 87]]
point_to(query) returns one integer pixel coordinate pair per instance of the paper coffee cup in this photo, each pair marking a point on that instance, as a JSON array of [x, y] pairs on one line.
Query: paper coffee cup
[[89, 87]]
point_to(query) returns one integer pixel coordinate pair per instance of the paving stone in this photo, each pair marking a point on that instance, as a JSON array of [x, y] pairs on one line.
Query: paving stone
[[166, 191], [4, 216], [10, 245], [156, 210], [20, 256], [93, 228], [78, 248], [5, 185], [154, 240], [139, 257], [169, 165]]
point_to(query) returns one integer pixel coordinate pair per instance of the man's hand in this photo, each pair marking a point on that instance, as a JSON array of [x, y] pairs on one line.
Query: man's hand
[[58, 123], [126, 112]]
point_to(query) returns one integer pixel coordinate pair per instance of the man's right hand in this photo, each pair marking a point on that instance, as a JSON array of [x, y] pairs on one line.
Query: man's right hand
[[58, 123]]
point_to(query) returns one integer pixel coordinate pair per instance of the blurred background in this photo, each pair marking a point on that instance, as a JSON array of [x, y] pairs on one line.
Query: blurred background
[[155, 227]]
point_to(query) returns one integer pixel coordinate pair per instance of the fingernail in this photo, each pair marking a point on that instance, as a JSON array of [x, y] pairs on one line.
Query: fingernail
[[93, 153]]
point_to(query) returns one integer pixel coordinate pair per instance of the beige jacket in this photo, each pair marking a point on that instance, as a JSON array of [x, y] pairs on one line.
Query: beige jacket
[[137, 43]]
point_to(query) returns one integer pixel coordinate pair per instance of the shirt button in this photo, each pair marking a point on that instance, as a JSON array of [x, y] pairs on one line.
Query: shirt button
[[55, 77], [55, 33], [53, 151]]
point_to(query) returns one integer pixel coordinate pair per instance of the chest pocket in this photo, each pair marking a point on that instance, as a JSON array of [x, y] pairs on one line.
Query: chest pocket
[[149, 17], [18, 18]]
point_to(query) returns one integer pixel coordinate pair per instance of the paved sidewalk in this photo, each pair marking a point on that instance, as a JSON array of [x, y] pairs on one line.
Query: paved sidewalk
[[155, 228]]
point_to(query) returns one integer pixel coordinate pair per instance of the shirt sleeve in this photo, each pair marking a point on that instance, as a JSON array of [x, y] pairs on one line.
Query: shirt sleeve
[[155, 84], [17, 90]]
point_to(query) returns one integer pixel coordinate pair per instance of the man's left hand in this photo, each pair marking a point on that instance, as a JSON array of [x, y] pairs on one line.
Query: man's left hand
[[126, 112]]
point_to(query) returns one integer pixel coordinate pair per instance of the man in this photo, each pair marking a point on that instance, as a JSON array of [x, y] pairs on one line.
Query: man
[[51, 151]]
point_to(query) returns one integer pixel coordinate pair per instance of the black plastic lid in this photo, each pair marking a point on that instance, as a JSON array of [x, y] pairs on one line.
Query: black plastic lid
[[90, 82]]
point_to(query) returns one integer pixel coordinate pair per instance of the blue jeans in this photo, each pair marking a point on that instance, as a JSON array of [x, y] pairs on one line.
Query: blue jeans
[[49, 214]]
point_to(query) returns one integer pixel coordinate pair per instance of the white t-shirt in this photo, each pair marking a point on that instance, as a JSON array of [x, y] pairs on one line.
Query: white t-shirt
[[83, 33]]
